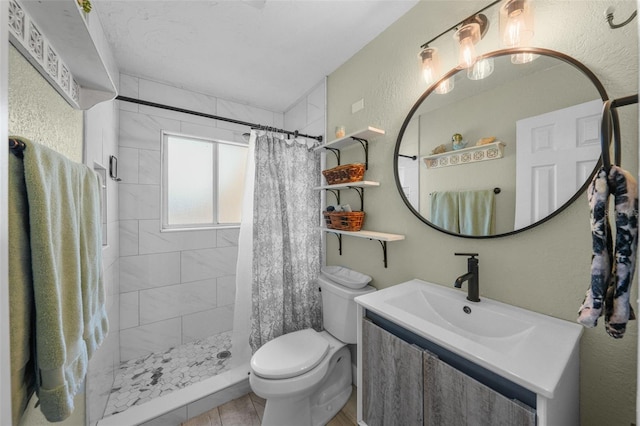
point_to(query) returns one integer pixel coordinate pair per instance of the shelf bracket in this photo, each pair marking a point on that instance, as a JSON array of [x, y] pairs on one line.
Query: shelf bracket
[[339, 241], [384, 251], [336, 152], [360, 192], [365, 146], [336, 193]]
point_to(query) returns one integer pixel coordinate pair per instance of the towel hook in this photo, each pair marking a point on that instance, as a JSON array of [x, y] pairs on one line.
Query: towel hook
[[609, 14], [610, 122]]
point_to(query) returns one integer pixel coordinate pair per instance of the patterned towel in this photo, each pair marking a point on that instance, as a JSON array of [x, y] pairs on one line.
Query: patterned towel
[[610, 281]]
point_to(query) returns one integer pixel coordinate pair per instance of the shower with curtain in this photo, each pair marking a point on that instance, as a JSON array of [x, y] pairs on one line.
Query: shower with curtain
[[211, 347], [279, 243]]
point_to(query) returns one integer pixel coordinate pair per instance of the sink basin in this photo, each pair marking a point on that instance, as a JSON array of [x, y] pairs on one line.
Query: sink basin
[[526, 347], [448, 310]]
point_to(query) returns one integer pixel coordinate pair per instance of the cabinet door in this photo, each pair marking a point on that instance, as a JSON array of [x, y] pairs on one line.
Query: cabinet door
[[453, 398], [391, 379]]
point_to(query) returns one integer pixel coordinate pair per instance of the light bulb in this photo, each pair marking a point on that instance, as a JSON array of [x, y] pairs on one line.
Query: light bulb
[[516, 23], [467, 37], [430, 64], [514, 33], [467, 56]]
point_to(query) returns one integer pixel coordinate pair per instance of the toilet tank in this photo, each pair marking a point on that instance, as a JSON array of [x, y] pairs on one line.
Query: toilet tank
[[339, 311]]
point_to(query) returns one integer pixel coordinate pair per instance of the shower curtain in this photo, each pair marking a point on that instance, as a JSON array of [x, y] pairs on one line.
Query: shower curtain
[[279, 244]]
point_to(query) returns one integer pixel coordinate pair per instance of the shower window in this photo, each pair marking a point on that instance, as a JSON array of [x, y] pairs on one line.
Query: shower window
[[202, 182]]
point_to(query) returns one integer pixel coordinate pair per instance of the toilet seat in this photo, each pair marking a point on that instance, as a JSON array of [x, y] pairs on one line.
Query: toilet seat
[[290, 355]]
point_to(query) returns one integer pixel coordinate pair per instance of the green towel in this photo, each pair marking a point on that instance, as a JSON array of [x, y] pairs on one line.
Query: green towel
[[444, 210], [476, 212], [66, 247], [20, 292]]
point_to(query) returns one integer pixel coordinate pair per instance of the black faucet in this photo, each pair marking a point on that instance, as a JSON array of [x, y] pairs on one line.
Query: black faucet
[[471, 276]]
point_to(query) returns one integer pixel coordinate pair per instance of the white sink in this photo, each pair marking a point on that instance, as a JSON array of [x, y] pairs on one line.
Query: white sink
[[526, 347]]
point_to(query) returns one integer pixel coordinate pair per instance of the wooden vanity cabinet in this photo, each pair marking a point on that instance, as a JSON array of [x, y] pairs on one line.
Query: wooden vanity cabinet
[[453, 398], [403, 384], [392, 379]]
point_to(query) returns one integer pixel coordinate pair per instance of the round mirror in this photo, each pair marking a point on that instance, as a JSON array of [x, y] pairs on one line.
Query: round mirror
[[501, 147]]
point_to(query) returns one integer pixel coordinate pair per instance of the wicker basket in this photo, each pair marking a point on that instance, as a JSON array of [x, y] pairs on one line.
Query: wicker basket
[[344, 221], [344, 174]]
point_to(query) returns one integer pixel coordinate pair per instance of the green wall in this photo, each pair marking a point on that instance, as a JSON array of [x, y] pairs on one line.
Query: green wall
[[545, 269]]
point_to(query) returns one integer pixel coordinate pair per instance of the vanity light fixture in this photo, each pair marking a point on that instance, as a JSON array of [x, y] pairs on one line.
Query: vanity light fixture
[[516, 27], [470, 32], [431, 69]]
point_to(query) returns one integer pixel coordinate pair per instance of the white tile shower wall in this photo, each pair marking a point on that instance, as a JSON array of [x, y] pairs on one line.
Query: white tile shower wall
[[175, 287], [101, 141], [308, 114]]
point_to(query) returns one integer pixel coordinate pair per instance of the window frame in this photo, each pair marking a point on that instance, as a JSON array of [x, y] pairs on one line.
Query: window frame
[[164, 206]]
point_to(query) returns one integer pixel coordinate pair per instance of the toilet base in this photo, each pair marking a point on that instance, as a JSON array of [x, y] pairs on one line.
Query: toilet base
[[318, 407]]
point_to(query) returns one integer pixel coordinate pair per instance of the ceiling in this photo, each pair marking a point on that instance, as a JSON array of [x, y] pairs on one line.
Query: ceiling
[[265, 53]]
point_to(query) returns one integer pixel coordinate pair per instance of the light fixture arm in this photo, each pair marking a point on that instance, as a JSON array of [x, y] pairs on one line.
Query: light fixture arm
[[468, 19]]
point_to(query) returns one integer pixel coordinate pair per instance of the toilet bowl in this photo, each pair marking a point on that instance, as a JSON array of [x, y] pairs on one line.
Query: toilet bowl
[[305, 376]]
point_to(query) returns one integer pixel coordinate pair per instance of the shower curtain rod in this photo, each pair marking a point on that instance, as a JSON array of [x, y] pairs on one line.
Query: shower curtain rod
[[295, 133]]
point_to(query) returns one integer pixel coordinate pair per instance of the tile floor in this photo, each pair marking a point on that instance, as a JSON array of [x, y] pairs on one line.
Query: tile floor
[[140, 380], [248, 409]]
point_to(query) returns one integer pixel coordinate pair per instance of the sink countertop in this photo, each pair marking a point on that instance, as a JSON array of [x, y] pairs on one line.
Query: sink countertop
[[528, 348]]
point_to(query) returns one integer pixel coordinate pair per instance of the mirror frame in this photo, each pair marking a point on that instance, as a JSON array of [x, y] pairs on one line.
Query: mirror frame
[[503, 52]]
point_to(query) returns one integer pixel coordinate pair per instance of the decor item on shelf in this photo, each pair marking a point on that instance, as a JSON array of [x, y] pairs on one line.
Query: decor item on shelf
[[85, 5], [340, 132], [439, 149], [344, 221], [339, 208], [472, 154], [487, 140], [458, 142], [344, 174]]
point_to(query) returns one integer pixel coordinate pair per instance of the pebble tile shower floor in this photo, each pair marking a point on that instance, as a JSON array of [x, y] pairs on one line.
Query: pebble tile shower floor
[[140, 380]]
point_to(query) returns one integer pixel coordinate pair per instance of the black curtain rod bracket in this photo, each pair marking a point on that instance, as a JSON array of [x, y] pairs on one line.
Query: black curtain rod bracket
[[295, 133]]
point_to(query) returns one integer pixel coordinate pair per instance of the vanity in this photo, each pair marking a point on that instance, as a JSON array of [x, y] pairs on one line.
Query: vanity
[[428, 356]]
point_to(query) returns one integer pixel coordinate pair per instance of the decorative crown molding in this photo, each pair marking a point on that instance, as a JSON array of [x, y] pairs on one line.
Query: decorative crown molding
[[26, 36]]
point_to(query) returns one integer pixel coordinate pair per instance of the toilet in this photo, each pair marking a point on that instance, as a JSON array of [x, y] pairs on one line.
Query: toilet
[[305, 376]]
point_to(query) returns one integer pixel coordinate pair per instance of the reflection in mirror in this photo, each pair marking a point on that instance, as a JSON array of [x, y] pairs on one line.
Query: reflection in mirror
[[500, 154]]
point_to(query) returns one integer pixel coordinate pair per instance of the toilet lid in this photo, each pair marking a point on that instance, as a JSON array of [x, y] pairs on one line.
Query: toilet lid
[[289, 355]]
